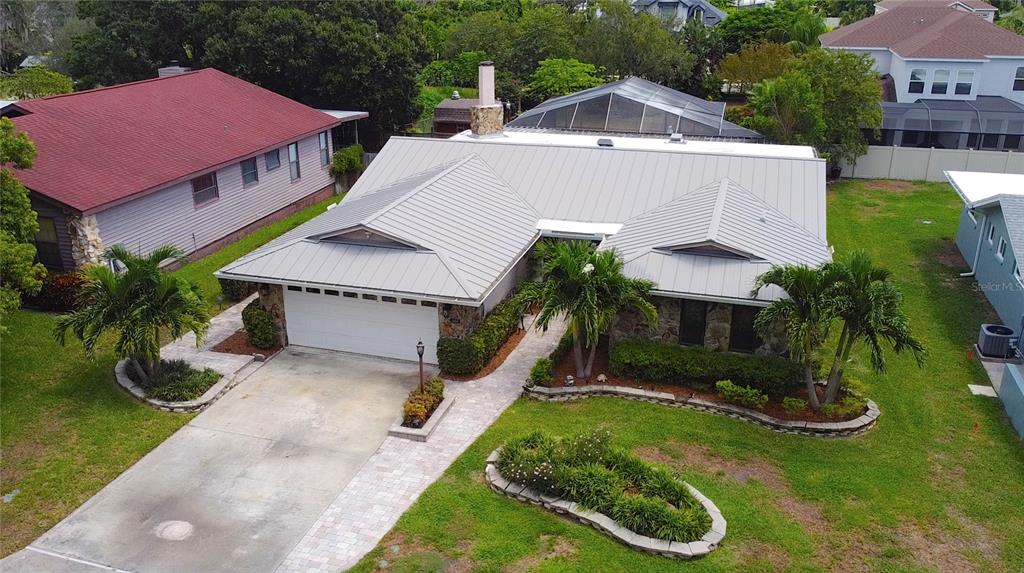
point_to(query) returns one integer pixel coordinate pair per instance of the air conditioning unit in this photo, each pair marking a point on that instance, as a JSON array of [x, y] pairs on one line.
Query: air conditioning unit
[[994, 340]]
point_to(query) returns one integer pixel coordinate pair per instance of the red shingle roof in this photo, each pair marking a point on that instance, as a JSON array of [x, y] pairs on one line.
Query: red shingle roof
[[973, 4], [914, 32], [100, 146]]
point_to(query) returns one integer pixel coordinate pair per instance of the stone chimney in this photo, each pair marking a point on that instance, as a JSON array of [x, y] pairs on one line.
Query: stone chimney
[[486, 119]]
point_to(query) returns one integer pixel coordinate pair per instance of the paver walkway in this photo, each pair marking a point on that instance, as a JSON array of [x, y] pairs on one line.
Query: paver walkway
[[222, 326], [400, 470]]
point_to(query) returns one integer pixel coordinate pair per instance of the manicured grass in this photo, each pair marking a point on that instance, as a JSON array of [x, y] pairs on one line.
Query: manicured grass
[[201, 271], [66, 430], [938, 485]]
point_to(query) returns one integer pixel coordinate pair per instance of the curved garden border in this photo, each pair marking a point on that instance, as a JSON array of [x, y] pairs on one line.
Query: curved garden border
[[846, 429], [601, 522], [210, 396]]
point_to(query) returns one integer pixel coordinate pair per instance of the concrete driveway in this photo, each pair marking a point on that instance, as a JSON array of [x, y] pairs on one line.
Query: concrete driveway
[[239, 486]]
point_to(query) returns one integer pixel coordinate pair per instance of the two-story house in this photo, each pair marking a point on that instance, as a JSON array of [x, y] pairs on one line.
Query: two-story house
[[682, 11], [977, 7], [951, 79], [194, 159]]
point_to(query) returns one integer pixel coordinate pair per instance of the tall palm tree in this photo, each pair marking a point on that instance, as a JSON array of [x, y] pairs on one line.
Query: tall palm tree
[[586, 287], [806, 311], [136, 304], [869, 304]]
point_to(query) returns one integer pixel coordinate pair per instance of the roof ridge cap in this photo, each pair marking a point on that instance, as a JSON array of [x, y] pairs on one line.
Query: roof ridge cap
[[716, 213], [124, 85]]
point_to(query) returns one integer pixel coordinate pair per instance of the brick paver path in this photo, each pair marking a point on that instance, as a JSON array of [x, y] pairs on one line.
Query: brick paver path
[[400, 470], [222, 326]]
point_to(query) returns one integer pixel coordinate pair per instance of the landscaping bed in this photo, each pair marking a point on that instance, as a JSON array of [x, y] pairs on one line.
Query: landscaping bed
[[498, 360], [484, 348], [421, 403], [178, 381], [238, 343]]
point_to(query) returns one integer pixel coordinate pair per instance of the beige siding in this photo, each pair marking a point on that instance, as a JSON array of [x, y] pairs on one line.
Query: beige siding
[[170, 217]]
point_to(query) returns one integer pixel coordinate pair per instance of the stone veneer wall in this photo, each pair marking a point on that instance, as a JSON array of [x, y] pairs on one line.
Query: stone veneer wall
[[631, 324], [272, 299], [86, 245], [486, 120], [457, 321]]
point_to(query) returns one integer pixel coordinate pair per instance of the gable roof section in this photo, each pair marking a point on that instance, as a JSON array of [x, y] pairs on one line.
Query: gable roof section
[[468, 225], [915, 32], [1012, 207], [101, 146], [724, 216], [975, 5]]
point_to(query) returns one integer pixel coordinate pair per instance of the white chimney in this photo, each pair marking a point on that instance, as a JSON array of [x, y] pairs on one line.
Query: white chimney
[[486, 119]]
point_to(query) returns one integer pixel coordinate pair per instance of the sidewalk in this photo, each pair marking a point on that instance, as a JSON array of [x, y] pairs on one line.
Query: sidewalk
[[222, 326]]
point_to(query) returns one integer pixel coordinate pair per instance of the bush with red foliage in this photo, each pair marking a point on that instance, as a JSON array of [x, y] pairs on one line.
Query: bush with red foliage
[[59, 293]]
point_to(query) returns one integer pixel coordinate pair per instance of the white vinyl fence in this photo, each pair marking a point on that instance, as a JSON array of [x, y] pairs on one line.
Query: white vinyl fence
[[913, 163]]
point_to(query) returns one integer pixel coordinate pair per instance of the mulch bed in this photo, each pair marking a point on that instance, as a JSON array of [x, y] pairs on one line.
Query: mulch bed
[[238, 343], [567, 367], [495, 362]]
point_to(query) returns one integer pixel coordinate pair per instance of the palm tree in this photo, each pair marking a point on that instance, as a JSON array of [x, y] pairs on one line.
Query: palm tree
[[586, 287], [807, 313], [869, 304], [136, 304]]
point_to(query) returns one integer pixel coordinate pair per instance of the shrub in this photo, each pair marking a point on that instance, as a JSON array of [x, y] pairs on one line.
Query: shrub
[[741, 395], [673, 364], [419, 406], [259, 325], [236, 291], [590, 448], [654, 517], [593, 486], [464, 356], [542, 373], [59, 292], [347, 160], [794, 406], [850, 405], [178, 381]]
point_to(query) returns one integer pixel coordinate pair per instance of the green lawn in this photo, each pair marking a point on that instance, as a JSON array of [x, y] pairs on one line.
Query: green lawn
[[66, 430], [201, 271], [938, 485]]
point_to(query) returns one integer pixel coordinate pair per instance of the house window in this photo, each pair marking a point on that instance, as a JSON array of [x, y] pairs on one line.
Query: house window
[[388, 299], [250, 174], [916, 81], [294, 288], [1018, 80], [325, 154], [667, 11], [312, 290], [940, 82], [692, 320], [964, 82], [272, 159], [1016, 274], [348, 294], [204, 189], [47, 249], [429, 303], [369, 297], [1001, 251], [742, 337], [698, 14], [411, 301], [330, 292], [991, 233], [293, 160]]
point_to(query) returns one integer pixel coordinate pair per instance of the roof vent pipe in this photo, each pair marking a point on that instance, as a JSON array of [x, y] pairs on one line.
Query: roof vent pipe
[[676, 138], [604, 142]]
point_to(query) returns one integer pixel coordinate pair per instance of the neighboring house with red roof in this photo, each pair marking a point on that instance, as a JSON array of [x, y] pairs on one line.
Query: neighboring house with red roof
[[194, 159], [945, 70], [977, 7]]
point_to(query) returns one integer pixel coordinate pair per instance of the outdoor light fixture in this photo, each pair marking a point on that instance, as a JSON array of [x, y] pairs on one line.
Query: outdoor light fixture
[[419, 352]]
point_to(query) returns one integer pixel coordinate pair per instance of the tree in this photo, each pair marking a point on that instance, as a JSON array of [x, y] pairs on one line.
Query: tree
[[19, 273], [33, 82], [869, 304], [557, 77], [136, 305], [541, 34], [1013, 21], [788, 110], [806, 312], [803, 30], [588, 289], [753, 26], [488, 32], [706, 46], [851, 98], [848, 11], [755, 63]]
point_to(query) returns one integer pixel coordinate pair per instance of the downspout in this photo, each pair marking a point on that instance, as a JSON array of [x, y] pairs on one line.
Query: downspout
[[977, 251]]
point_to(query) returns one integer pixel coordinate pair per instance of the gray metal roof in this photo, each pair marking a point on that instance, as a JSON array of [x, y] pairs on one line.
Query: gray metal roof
[[455, 230], [1012, 207], [721, 216], [633, 105]]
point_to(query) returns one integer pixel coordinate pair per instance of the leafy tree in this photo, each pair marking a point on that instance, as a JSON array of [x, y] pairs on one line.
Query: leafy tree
[[755, 63], [806, 311], [30, 27], [488, 32], [803, 30], [753, 26], [788, 110], [557, 77], [33, 82], [848, 11], [542, 33], [588, 289], [851, 98], [870, 306], [707, 47], [136, 305], [1013, 21], [19, 273]]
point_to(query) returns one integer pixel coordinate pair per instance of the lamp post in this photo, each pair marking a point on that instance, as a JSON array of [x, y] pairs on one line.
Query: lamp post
[[419, 352]]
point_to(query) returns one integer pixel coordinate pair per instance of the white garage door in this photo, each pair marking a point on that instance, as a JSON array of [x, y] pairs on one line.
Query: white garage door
[[374, 327]]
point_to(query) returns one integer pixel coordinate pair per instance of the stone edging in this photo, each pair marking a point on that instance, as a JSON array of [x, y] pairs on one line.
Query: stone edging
[[422, 434], [210, 396], [845, 429], [601, 522]]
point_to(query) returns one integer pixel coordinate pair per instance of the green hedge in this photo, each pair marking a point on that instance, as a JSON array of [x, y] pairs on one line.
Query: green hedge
[[464, 356], [673, 364], [259, 325], [347, 160]]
